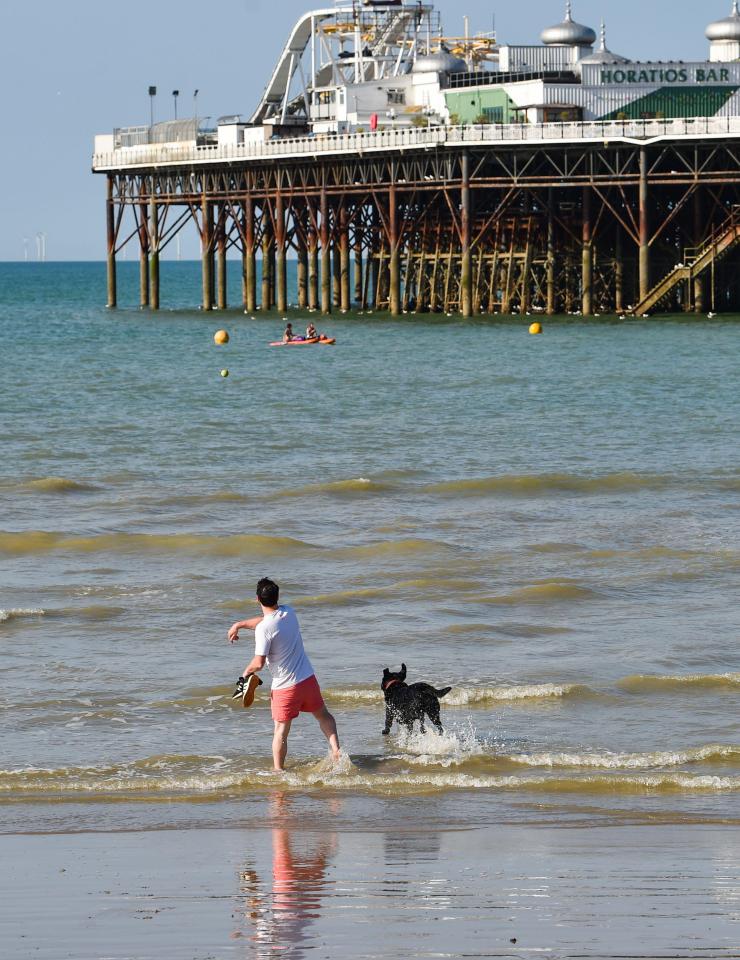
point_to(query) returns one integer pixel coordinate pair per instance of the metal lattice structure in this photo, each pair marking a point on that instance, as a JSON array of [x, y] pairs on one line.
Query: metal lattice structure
[[584, 226]]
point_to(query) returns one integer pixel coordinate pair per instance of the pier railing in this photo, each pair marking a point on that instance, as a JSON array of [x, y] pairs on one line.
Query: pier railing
[[169, 154]]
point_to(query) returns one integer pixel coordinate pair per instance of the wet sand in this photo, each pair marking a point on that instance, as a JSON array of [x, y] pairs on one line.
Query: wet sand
[[382, 891]]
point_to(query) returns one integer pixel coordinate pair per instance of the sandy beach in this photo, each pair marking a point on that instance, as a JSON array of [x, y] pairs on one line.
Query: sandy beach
[[406, 889]]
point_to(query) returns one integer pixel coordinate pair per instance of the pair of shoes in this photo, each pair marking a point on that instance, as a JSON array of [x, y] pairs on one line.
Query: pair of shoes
[[245, 687]]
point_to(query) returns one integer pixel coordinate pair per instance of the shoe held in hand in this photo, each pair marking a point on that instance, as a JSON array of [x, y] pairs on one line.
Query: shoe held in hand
[[250, 685]]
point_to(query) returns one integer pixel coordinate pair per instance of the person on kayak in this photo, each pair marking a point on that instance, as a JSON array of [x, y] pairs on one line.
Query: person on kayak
[[311, 332], [279, 644], [288, 335]]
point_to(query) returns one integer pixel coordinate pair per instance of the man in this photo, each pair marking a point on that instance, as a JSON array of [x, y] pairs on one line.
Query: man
[[278, 643]]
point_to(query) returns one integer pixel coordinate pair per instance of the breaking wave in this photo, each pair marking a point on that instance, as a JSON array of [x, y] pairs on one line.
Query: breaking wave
[[194, 778], [481, 696], [526, 485], [466, 696], [40, 542], [555, 591], [19, 613], [712, 753], [643, 683], [59, 485], [356, 486]]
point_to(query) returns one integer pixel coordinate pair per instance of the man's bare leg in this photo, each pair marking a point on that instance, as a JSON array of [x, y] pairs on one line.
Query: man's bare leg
[[329, 729], [280, 743]]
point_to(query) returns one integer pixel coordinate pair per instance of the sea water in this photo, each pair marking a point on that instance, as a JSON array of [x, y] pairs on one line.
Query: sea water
[[548, 524]]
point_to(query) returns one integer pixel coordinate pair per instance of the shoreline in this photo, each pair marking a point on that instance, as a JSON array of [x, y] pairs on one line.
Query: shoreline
[[302, 885]]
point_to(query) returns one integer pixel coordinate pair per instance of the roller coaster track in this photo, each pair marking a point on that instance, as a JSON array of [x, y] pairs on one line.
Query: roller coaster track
[[391, 34], [282, 75], [696, 261]]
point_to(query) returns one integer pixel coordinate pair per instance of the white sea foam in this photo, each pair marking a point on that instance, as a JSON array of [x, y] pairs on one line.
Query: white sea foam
[[627, 761], [18, 613], [469, 696], [343, 775], [455, 746], [465, 696]]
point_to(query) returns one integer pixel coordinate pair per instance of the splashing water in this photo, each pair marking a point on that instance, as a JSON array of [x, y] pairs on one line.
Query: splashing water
[[457, 744]]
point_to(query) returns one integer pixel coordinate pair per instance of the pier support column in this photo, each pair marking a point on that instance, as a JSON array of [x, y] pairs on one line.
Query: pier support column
[[271, 274], [207, 254], [110, 213], [221, 259], [336, 277], [143, 256], [358, 278], [267, 261], [374, 254], [618, 273], [244, 268], [313, 267], [250, 260], [550, 269], [325, 255], [568, 295], [281, 275], [644, 226], [154, 258], [300, 234], [466, 274], [587, 254], [394, 293], [344, 287]]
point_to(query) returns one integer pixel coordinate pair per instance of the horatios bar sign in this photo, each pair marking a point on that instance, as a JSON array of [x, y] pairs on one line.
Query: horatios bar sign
[[674, 73]]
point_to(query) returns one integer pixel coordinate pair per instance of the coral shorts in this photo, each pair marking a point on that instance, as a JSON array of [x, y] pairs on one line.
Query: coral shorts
[[304, 697]]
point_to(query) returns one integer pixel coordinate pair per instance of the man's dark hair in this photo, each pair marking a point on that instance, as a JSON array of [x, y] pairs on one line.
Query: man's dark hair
[[268, 592]]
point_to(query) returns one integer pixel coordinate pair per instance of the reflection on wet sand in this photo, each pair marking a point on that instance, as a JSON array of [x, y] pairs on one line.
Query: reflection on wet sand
[[409, 848], [277, 920]]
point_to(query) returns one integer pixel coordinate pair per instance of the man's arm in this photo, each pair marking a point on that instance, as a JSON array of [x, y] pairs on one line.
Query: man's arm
[[254, 665], [242, 625]]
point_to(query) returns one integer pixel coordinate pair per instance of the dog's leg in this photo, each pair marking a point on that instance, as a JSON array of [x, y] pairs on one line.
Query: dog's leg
[[388, 720], [433, 713]]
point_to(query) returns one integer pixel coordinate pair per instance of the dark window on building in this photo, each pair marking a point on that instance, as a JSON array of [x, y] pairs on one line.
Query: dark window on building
[[494, 114]]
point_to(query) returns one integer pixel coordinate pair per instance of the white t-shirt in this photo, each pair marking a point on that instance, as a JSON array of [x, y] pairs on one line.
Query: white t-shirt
[[278, 637]]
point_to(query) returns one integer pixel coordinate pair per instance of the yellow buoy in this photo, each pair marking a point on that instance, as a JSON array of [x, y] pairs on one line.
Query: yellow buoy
[[535, 328], [224, 373], [220, 337]]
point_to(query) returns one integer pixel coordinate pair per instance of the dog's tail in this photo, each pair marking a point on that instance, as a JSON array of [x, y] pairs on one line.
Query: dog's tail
[[443, 692]]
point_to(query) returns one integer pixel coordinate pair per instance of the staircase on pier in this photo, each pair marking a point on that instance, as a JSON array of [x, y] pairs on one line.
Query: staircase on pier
[[696, 261]]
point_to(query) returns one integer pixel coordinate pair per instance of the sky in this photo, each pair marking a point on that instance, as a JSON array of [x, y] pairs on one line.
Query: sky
[[75, 68]]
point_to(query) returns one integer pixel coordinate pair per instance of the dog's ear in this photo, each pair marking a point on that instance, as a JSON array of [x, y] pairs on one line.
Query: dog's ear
[[386, 671], [403, 671]]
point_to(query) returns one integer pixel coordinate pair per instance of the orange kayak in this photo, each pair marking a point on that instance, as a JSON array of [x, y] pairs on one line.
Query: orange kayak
[[326, 341]]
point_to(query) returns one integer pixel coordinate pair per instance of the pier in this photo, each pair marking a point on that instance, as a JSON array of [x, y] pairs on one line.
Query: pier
[[590, 217]]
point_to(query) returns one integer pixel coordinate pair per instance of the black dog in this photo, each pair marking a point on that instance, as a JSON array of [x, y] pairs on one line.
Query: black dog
[[408, 702]]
